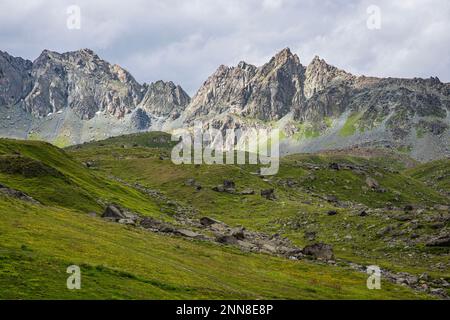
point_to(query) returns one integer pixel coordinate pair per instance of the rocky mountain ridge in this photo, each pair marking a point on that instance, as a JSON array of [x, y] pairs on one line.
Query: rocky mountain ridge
[[76, 96]]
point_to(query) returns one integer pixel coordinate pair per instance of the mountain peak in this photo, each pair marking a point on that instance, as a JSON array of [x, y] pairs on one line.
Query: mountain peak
[[286, 52], [319, 74], [284, 56]]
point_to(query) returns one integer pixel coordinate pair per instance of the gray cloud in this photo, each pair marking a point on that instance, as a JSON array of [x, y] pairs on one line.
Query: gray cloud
[[186, 40]]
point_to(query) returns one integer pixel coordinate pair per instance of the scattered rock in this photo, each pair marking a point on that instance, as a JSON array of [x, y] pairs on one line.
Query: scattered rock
[[127, 221], [17, 194], [442, 207], [334, 166], [268, 248], [331, 198], [227, 239], [439, 241], [403, 218], [319, 251], [191, 182], [310, 235], [238, 233], [227, 186], [424, 276], [372, 183], [363, 213], [89, 164], [384, 231], [247, 192], [205, 221], [187, 233], [114, 212], [269, 194]]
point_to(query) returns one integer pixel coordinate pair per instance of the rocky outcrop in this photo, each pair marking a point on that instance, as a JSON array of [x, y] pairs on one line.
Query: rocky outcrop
[[320, 75], [17, 194], [266, 93], [83, 82], [442, 240], [67, 94], [15, 79], [165, 99], [319, 251]]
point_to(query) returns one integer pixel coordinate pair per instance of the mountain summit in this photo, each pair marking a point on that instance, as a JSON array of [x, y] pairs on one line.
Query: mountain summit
[[76, 96]]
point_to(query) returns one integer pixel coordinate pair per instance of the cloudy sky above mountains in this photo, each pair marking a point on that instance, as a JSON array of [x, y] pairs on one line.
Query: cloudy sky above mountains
[[186, 40]]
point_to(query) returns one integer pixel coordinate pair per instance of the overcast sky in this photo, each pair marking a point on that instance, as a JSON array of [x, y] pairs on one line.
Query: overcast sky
[[186, 40]]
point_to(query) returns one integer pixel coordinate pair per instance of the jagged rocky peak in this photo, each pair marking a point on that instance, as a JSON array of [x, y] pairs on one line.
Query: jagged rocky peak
[[165, 99], [226, 90], [80, 80], [284, 59], [15, 78], [319, 74], [247, 67], [266, 93], [277, 87]]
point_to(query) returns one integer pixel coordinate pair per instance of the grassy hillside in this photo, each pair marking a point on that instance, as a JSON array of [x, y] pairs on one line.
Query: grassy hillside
[[39, 241], [302, 208], [435, 174]]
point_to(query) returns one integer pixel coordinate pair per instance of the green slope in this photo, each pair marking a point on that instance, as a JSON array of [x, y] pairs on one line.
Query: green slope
[[436, 174], [301, 209], [38, 242]]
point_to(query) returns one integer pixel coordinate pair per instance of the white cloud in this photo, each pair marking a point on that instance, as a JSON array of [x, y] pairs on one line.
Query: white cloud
[[186, 40]]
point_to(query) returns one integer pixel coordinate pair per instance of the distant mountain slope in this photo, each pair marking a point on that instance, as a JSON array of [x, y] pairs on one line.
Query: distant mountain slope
[[75, 97]]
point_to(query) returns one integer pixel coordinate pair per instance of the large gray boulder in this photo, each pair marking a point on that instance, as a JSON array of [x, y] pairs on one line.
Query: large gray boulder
[[114, 212], [319, 251]]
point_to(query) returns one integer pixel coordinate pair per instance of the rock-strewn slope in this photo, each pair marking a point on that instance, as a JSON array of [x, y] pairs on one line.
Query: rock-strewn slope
[[76, 96]]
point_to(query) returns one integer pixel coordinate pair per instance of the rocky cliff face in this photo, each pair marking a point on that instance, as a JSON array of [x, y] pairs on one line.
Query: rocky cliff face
[[165, 99], [83, 82], [15, 79], [266, 93], [76, 96]]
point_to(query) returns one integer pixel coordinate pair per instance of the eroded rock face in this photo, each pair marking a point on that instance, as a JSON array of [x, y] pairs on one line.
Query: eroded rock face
[[80, 80], [140, 119], [165, 99], [267, 93], [15, 79], [319, 75]]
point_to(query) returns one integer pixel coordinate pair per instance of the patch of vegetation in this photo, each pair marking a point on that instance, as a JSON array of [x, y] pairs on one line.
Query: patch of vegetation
[[306, 131], [436, 174], [350, 125]]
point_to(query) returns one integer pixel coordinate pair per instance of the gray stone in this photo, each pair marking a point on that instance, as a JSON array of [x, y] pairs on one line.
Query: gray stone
[[319, 251], [114, 212]]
